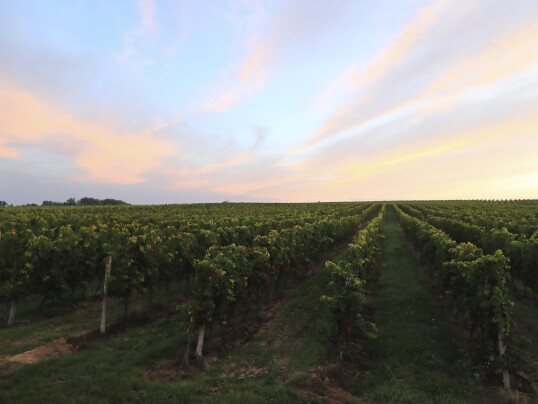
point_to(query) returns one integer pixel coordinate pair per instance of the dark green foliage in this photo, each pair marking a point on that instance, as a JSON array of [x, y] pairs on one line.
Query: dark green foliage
[[345, 292], [86, 201], [477, 283]]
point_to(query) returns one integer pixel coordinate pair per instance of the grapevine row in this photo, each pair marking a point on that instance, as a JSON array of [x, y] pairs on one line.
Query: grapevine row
[[345, 291], [59, 253], [231, 280], [522, 251], [477, 282]]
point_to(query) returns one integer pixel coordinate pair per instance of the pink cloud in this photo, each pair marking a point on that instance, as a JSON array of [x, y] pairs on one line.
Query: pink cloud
[[108, 156]]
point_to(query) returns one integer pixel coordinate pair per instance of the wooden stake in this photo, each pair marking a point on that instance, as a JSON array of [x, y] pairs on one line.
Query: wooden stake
[[103, 311], [341, 347], [187, 349], [502, 351], [200, 344], [11, 319]]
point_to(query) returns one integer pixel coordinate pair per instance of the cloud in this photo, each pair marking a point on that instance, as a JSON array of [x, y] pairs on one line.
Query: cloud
[[453, 170], [514, 55], [257, 179], [435, 53], [363, 83], [236, 160], [107, 156], [138, 42], [82, 82], [269, 41], [519, 130], [147, 9], [399, 50], [462, 149]]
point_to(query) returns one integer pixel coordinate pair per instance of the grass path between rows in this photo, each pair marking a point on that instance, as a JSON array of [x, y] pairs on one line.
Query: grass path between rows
[[417, 358]]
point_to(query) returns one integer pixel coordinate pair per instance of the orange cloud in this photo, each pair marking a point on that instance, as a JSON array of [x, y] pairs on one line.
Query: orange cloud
[[108, 156], [492, 161], [483, 173], [236, 160], [512, 130]]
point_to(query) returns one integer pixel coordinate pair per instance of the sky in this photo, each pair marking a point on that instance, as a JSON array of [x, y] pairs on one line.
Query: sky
[[157, 101]]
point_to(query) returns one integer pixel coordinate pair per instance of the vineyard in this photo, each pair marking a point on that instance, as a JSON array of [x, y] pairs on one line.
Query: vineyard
[[188, 290]]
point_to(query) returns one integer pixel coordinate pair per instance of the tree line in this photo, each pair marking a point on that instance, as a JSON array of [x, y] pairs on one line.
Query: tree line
[[86, 201]]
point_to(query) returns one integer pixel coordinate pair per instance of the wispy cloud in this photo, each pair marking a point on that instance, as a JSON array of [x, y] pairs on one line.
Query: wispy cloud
[[515, 54], [268, 42], [364, 84], [268, 35], [471, 143], [236, 160], [517, 129], [108, 156], [137, 41], [428, 59]]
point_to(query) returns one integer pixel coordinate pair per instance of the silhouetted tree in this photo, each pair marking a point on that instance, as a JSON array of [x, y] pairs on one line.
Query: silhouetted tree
[[70, 202], [51, 203], [87, 201]]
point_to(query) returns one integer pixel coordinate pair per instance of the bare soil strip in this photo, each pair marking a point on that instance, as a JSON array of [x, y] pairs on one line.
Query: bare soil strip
[[76, 342], [58, 347]]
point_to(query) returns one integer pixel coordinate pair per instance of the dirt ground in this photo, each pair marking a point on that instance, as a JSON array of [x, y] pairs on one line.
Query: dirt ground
[[58, 347]]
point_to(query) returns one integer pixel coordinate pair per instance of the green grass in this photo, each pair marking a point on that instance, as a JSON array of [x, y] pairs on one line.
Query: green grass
[[107, 371], [525, 342], [416, 357], [31, 331]]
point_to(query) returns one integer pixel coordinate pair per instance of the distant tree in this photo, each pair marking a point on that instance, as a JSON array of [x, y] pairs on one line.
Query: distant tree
[[87, 201], [70, 202], [3, 204], [110, 201], [51, 203]]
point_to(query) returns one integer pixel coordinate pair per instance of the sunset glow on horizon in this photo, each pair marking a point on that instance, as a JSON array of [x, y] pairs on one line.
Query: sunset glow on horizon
[[242, 100]]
